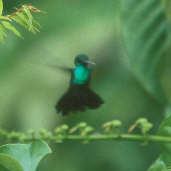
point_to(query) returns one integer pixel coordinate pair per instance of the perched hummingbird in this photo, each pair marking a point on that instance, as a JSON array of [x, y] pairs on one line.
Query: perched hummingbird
[[79, 96]]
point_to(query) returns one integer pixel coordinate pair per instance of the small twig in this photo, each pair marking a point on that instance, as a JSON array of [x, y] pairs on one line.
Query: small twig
[[31, 8], [57, 138], [85, 133]]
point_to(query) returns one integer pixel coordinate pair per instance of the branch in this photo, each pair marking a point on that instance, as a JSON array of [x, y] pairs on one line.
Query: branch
[[85, 133], [122, 137], [20, 137], [22, 8]]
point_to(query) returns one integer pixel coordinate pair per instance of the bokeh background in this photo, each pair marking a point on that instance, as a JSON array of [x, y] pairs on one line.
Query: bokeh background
[[31, 83]]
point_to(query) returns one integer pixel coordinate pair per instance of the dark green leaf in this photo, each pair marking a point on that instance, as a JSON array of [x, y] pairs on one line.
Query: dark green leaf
[[3, 168], [158, 165], [146, 37], [165, 130]]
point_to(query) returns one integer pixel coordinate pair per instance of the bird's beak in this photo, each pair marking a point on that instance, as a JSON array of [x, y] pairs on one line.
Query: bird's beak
[[90, 62]]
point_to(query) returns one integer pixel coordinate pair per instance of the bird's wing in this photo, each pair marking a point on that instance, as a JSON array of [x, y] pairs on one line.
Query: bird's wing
[[61, 68]]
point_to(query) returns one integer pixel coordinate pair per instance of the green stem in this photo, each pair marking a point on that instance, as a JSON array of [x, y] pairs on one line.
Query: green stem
[[121, 137]]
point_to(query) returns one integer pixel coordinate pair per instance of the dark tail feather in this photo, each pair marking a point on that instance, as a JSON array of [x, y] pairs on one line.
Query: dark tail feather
[[78, 98], [93, 100]]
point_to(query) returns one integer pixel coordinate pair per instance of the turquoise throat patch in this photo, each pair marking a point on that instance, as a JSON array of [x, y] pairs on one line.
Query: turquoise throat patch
[[81, 75]]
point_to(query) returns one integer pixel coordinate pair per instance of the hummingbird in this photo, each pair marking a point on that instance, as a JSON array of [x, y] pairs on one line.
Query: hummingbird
[[79, 95]]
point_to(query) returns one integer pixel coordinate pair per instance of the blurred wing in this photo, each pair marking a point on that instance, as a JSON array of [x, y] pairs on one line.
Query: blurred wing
[[91, 67], [61, 68]]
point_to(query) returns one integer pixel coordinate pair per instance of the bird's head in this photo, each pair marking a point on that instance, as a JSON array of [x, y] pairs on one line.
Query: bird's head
[[83, 60]]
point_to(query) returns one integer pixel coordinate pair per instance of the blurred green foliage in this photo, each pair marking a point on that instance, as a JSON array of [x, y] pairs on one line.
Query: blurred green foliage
[[31, 84]]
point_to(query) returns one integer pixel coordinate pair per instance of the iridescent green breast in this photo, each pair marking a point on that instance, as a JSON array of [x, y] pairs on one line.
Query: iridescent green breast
[[81, 75]]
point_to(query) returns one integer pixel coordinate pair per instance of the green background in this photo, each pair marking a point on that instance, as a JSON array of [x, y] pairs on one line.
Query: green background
[[31, 83]]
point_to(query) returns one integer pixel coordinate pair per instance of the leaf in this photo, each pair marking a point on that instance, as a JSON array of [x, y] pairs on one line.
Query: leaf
[[10, 163], [23, 20], [12, 28], [23, 17], [163, 163], [165, 130], [20, 19], [36, 23], [30, 18], [145, 29], [5, 18], [1, 7], [158, 165], [27, 156], [3, 31]]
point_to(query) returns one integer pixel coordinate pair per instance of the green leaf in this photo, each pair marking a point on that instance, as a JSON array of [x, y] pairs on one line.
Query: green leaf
[[23, 157], [163, 163], [12, 28], [36, 23], [10, 163], [23, 20], [3, 31], [146, 38], [1, 7], [5, 18], [30, 18], [158, 165], [165, 130], [3, 168], [20, 19]]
